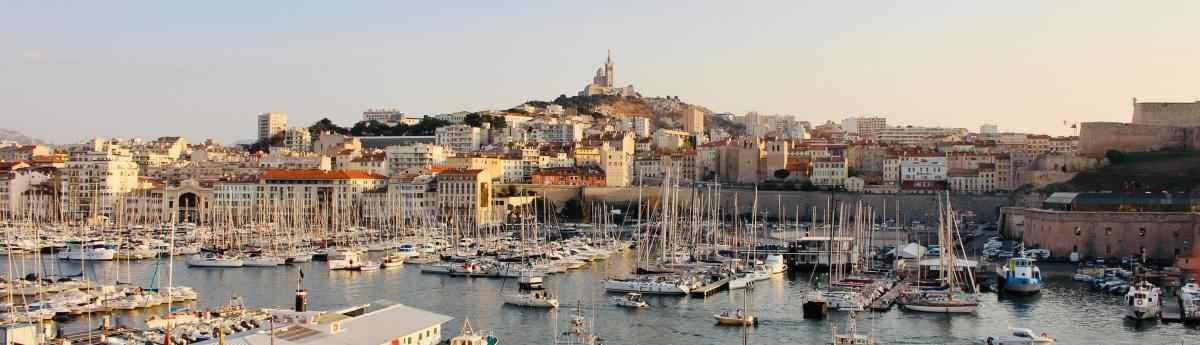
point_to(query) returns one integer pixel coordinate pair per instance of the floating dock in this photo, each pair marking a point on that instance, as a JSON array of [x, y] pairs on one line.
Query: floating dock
[[711, 288], [885, 302]]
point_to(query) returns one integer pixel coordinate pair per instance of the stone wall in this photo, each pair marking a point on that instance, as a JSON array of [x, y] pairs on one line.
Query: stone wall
[[1167, 114], [1162, 235], [1097, 137]]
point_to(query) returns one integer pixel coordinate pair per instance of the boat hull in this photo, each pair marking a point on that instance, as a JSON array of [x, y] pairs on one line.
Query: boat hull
[[942, 308], [645, 287]]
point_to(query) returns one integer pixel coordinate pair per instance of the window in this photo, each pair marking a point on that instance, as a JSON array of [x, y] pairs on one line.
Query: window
[[1141, 232], [1078, 231], [1107, 231]]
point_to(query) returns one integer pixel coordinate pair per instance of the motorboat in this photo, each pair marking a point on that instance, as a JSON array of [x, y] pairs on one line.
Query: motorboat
[[214, 259], [775, 264], [1189, 301], [408, 250], [736, 317], [369, 265], [531, 293], [391, 261], [1143, 302], [1020, 336], [758, 273], [259, 259], [1021, 275], [630, 300], [438, 268]]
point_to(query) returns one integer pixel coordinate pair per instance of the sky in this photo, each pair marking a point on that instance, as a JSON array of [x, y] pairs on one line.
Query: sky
[[71, 70]]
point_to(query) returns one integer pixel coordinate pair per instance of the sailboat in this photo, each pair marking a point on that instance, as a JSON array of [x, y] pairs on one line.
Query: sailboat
[[951, 298]]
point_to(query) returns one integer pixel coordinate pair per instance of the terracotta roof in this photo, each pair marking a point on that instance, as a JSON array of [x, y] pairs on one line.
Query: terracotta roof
[[463, 172], [315, 174]]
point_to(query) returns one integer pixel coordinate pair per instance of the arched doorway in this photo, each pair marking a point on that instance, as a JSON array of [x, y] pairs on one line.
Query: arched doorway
[[189, 209]]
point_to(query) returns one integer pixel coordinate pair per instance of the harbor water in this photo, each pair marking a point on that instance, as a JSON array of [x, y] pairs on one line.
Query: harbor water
[[1066, 310]]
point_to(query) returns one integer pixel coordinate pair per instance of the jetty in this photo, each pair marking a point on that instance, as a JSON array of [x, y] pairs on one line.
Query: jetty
[[711, 288]]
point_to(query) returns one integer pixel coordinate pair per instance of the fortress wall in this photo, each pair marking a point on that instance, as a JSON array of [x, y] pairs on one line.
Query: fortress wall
[[1167, 114], [1097, 137]]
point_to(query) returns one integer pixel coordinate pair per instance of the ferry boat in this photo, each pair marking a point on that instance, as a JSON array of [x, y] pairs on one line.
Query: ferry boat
[[1143, 302], [343, 260], [1021, 275]]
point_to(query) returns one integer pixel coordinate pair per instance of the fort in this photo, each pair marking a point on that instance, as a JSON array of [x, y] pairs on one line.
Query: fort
[[1154, 126]]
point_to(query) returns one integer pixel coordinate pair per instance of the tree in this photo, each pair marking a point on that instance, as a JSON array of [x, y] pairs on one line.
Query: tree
[[325, 125], [782, 174], [498, 122], [473, 120], [807, 186], [1114, 156]]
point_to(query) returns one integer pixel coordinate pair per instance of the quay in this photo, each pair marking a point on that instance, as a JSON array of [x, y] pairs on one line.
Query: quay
[[711, 288]]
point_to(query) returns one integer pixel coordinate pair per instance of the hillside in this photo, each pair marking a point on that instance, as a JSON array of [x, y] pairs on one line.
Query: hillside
[[1139, 172], [664, 111], [11, 135]]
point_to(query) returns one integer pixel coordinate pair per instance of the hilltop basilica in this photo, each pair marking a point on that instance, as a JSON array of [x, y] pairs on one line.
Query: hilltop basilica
[[602, 83]]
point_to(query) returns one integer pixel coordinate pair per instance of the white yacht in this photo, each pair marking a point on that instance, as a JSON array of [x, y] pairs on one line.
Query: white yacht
[[90, 251], [631, 300], [262, 260], [1142, 302], [1189, 300], [212, 259], [758, 273], [657, 285], [775, 264]]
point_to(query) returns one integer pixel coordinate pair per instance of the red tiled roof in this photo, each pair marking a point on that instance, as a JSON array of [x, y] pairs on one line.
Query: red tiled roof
[[315, 174]]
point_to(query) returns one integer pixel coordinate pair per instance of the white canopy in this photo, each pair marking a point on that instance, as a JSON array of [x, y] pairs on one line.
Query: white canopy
[[910, 251]]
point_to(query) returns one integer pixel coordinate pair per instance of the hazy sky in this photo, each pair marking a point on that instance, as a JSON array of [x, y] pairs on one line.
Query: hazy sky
[[76, 69]]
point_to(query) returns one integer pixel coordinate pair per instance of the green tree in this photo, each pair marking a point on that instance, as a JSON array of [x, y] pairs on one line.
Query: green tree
[[326, 125], [1115, 157], [807, 185], [498, 122], [782, 174], [473, 120]]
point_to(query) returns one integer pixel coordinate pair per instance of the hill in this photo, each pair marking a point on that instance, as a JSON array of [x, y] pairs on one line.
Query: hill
[[11, 135], [666, 112], [1139, 172]]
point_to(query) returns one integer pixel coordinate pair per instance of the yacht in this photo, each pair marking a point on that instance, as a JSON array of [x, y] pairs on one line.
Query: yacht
[[531, 293], [759, 272], [1021, 275], [658, 285], [1020, 336], [369, 265], [1189, 300], [1142, 301], [775, 264], [214, 259], [259, 259], [90, 251], [736, 317]]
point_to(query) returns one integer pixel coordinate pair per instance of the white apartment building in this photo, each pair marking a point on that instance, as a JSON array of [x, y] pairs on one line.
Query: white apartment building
[[865, 127], [829, 171], [297, 139], [317, 190], [270, 124], [465, 196], [910, 135], [402, 157], [15, 183], [460, 138], [278, 159], [669, 139], [891, 170], [558, 132], [92, 180], [981, 180], [923, 168], [617, 166]]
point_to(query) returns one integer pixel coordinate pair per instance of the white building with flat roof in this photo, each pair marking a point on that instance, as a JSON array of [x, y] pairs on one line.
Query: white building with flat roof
[[396, 324], [403, 157], [460, 138]]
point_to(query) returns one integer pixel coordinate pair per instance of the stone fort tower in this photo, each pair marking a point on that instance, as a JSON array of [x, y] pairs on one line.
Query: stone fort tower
[[1166, 114]]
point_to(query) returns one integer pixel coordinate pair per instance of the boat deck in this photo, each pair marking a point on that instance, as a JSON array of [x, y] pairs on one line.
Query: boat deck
[[711, 288]]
